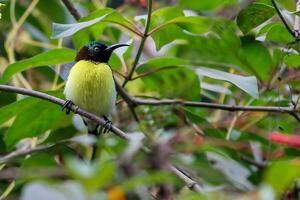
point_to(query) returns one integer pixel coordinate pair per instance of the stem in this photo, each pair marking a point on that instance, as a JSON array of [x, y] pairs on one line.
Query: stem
[[231, 108], [142, 44], [74, 12], [150, 72], [282, 18]]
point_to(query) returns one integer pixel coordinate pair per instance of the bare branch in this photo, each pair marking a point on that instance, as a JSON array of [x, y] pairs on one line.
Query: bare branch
[[191, 184], [71, 8], [231, 108]]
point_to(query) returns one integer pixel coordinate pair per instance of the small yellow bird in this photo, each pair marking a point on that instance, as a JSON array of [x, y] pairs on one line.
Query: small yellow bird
[[90, 84]]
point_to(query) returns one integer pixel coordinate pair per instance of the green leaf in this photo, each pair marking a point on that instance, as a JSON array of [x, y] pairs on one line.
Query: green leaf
[[47, 8], [162, 76], [256, 57], [194, 24], [65, 30], [160, 62], [34, 120], [173, 32], [92, 176], [58, 190], [278, 33], [205, 5], [291, 173], [148, 179], [168, 24], [292, 60], [254, 15], [107, 15], [290, 5], [247, 84], [13, 109], [51, 57]]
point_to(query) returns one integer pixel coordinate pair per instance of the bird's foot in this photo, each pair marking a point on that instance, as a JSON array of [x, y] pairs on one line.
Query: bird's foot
[[67, 105], [107, 126]]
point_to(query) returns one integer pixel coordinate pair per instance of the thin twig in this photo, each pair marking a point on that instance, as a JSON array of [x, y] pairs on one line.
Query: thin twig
[[231, 108], [23, 152], [150, 72], [260, 165], [191, 184], [141, 47], [72, 9], [282, 18]]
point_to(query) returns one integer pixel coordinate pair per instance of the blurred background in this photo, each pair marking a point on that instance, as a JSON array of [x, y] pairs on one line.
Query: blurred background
[[235, 52]]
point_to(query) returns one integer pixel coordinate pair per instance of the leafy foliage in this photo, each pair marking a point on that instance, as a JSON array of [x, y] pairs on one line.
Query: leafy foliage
[[213, 52]]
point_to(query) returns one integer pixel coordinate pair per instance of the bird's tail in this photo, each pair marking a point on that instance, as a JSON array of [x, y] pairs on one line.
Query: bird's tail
[[92, 130]]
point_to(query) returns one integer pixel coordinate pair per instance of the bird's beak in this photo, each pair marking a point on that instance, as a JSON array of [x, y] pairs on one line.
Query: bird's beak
[[111, 48]]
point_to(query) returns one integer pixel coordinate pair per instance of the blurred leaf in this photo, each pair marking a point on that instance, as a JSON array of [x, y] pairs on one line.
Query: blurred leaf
[[47, 8], [205, 5], [193, 24], [278, 33], [247, 84], [39, 159], [87, 140], [148, 179], [34, 120], [254, 15], [92, 175], [13, 109], [292, 60], [257, 58], [51, 57], [169, 23], [234, 171], [163, 77], [61, 134], [173, 32], [8, 190], [290, 5], [103, 15], [46, 191], [291, 172], [65, 30], [152, 64]]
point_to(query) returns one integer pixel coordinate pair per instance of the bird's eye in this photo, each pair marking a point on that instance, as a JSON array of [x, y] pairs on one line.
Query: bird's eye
[[97, 49]]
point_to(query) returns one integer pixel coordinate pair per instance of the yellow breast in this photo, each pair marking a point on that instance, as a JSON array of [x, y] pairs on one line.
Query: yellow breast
[[91, 87]]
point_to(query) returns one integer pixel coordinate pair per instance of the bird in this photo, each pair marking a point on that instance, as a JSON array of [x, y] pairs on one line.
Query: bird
[[90, 84]]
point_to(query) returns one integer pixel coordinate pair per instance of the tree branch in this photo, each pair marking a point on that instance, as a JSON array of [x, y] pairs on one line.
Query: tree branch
[[231, 108], [141, 47], [191, 184], [22, 152], [96, 119], [282, 18], [71, 8]]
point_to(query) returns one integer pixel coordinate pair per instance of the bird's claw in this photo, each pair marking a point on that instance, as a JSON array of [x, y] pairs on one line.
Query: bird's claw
[[67, 105], [107, 126]]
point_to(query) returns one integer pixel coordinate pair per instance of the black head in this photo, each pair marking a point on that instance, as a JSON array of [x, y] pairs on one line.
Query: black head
[[97, 52]]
